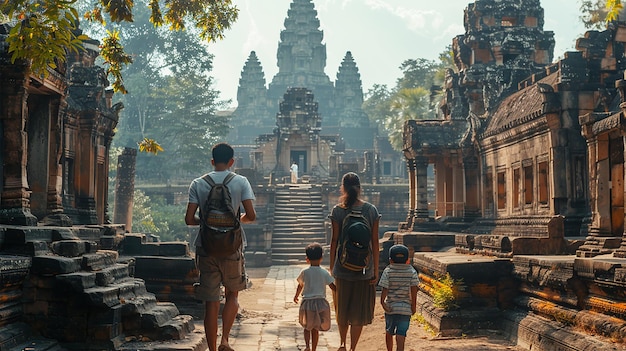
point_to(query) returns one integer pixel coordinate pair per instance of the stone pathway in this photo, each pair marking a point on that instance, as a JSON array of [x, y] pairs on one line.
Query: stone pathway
[[278, 328]]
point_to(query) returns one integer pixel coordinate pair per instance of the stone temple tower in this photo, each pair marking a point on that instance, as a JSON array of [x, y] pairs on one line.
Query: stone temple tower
[[301, 60], [349, 94], [504, 43], [254, 114], [302, 57]]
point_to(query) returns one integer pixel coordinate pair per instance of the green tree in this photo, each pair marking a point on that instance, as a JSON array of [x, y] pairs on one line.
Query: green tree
[[170, 99], [377, 106], [595, 13], [43, 31], [407, 104], [411, 98], [417, 73]]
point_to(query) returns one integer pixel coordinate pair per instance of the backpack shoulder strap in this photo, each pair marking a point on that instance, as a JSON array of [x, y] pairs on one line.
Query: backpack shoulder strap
[[207, 178], [228, 178]]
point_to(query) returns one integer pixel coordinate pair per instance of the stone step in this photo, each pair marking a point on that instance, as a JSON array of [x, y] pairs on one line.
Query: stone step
[[292, 258], [291, 221], [304, 202], [290, 213], [195, 341], [290, 210], [161, 322], [37, 344], [159, 316], [292, 239], [299, 241], [298, 224], [116, 273], [139, 304], [301, 230], [281, 231], [289, 251], [14, 334]]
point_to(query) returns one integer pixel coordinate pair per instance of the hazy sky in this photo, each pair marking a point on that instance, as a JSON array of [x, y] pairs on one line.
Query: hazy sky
[[381, 34]]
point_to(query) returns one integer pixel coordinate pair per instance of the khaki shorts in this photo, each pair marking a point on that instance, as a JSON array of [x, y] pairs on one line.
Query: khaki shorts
[[228, 271]]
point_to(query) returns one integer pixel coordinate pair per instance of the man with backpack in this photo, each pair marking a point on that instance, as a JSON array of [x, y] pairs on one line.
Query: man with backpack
[[220, 242]]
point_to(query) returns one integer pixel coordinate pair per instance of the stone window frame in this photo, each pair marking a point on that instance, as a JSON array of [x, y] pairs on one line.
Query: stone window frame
[[528, 183], [387, 171], [516, 185], [508, 21], [543, 181], [489, 191], [501, 174]]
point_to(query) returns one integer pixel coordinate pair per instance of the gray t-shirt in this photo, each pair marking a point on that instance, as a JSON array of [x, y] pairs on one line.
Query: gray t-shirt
[[370, 212], [239, 187]]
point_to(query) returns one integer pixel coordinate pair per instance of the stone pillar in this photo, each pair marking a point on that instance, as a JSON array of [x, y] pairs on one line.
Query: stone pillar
[[15, 197], [408, 225], [125, 188], [55, 214], [85, 172], [440, 188], [600, 240], [38, 154], [459, 187], [421, 167], [472, 188]]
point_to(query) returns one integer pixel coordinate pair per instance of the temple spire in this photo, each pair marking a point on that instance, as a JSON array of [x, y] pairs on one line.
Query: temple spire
[[349, 94], [302, 56], [252, 108]]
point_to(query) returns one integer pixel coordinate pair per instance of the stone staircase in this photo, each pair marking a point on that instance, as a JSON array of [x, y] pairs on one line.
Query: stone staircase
[[298, 221]]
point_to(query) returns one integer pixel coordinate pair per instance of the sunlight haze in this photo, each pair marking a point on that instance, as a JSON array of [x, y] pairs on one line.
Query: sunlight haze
[[381, 34]]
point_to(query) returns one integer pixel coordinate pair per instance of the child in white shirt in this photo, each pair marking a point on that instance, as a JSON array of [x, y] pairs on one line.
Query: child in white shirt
[[314, 310]]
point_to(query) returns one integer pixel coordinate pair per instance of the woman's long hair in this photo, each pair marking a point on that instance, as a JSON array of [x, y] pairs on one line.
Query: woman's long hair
[[351, 189]]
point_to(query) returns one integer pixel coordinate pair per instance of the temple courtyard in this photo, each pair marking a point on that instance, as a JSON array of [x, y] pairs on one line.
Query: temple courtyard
[[268, 320]]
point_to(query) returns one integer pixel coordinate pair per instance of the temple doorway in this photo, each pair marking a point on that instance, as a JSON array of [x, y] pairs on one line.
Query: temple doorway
[[300, 158]]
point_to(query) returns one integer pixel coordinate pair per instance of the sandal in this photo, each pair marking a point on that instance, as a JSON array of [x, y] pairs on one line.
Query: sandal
[[341, 348], [225, 348]]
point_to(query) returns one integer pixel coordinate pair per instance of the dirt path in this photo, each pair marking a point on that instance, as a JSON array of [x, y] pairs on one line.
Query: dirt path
[[373, 337]]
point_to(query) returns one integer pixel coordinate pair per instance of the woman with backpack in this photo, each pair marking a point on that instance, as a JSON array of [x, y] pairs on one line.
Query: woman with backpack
[[353, 260]]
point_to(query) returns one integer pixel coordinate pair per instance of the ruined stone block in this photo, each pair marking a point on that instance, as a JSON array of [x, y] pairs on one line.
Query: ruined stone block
[[132, 244], [109, 315], [53, 265], [177, 328], [58, 234], [20, 235], [159, 315], [140, 304], [174, 249], [163, 268], [69, 248], [150, 249], [105, 332], [111, 274], [103, 296], [99, 260], [126, 290]]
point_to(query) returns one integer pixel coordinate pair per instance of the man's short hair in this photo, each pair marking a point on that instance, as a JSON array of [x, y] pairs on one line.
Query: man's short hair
[[399, 253], [314, 251], [222, 153]]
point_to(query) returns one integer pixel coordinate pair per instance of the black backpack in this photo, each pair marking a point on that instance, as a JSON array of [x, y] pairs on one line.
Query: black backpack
[[355, 241], [220, 228]]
